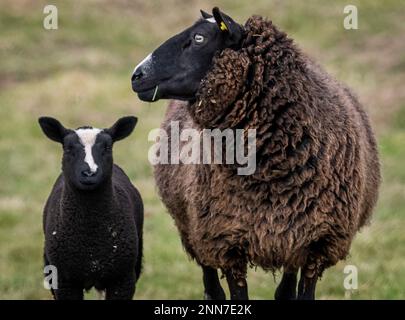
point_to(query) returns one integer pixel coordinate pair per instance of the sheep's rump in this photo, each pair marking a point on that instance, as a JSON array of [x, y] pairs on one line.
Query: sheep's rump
[[317, 171]]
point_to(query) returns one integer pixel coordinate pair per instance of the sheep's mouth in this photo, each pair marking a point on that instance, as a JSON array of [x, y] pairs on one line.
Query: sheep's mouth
[[158, 92], [161, 90], [148, 92], [148, 95]]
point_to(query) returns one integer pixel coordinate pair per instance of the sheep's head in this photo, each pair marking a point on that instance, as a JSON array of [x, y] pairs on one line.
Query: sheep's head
[[175, 69], [87, 152]]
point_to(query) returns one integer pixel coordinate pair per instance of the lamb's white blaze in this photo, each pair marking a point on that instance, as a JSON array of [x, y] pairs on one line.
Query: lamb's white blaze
[[146, 61], [212, 20], [88, 138]]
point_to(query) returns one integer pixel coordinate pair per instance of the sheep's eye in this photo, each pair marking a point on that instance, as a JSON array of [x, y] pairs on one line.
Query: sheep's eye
[[199, 38]]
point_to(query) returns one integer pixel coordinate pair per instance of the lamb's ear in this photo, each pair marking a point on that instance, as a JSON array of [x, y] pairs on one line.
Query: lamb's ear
[[53, 129], [122, 128], [205, 15]]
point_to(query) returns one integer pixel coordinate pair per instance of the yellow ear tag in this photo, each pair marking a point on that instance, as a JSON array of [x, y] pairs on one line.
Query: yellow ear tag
[[223, 26]]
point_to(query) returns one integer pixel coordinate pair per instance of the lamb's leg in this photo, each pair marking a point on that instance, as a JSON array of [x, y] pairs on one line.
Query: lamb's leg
[[287, 289], [121, 289], [138, 266], [68, 293], [212, 286], [237, 286]]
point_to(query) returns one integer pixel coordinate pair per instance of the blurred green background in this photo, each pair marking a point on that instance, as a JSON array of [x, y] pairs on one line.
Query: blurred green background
[[80, 74]]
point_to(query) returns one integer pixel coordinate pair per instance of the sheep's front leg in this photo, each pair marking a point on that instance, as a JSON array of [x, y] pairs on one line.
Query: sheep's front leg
[[212, 286], [307, 284], [121, 289], [287, 289], [237, 286]]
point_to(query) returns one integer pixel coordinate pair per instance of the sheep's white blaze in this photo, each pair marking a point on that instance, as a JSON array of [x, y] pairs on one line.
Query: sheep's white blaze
[[87, 138], [146, 61], [212, 20]]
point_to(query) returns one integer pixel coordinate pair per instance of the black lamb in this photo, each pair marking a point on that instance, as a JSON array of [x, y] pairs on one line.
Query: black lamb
[[93, 218]]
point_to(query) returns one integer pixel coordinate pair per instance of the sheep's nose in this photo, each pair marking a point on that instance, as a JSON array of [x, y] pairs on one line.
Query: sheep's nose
[[137, 74], [88, 173]]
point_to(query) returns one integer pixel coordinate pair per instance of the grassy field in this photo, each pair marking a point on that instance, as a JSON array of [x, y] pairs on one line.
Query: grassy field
[[80, 74]]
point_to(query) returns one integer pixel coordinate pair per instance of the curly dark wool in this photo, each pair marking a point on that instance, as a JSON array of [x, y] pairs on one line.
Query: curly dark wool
[[317, 173]]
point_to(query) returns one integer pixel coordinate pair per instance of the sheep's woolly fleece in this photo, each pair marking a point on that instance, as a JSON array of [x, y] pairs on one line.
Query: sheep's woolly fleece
[[317, 172]]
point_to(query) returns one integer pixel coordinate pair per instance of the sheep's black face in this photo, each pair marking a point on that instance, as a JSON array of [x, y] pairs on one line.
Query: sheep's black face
[[176, 68], [87, 152]]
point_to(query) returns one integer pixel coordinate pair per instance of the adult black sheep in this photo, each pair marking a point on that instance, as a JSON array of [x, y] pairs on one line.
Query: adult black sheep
[[93, 218], [317, 174]]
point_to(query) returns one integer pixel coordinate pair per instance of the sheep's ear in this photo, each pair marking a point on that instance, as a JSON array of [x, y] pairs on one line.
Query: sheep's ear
[[53, 129], [122, 128], [205, 15], [224, 22]]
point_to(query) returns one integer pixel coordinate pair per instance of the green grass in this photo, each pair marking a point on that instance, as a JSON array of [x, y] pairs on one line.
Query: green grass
[[80, 74]]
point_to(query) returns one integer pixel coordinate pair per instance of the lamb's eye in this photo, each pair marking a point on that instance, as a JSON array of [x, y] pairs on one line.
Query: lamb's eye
[[68, 149], [199, 38], [107, 148]]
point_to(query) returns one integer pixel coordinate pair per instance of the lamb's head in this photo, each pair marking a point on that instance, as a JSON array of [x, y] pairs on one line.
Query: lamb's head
[[87, 152], [175, 69]]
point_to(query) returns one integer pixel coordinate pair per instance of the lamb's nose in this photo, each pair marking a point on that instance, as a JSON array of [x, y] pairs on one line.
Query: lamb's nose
[[88, 173], [137, 74]]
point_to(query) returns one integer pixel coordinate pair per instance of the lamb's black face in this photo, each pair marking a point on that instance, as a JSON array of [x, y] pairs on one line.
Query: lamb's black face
[[87, 158], [176, 68], [87, 152]]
